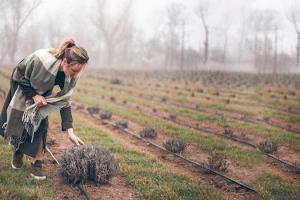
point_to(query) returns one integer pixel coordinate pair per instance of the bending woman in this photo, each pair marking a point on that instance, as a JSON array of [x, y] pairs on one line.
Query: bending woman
[[23, 120]]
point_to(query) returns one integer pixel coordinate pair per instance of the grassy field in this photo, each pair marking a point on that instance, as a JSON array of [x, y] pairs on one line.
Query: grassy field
[[150, 176]]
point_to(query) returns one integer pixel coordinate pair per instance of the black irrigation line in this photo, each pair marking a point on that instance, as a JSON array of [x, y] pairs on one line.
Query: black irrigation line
[[276, 108], [287, 163], [296, 131], [242, 119], [82, 191], [283, 161], [224, 136], [185, 159], [252, 121], [268, 106], [78, 185], [297, 112]]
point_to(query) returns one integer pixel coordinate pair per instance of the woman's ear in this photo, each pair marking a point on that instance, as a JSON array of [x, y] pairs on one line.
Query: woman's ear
[[64, 61]]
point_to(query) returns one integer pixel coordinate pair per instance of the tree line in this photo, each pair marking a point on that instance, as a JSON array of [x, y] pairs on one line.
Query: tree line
[[114, 39]]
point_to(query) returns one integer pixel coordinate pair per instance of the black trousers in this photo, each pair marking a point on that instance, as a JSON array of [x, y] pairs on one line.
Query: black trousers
[[40, 136]]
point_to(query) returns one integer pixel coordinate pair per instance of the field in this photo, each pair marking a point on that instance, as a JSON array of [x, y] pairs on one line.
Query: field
[[231, 116]]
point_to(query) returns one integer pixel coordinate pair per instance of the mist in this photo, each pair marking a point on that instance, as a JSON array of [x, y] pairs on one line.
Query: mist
[[242, 35]]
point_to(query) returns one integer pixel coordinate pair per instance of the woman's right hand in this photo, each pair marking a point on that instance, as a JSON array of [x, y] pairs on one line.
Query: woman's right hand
[[39, 100]]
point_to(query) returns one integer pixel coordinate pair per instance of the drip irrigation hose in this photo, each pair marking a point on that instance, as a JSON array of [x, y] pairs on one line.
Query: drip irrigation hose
[[249, 144], [187, 160]]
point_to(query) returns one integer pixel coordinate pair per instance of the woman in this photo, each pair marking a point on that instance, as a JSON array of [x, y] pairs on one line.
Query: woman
[[23, 120]]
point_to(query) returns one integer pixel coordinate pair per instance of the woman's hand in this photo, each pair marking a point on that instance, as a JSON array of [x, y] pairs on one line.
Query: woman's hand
[[39, 100], [75, 139]]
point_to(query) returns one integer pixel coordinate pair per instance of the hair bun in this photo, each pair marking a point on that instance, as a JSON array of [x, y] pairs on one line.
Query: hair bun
[[71, 42]]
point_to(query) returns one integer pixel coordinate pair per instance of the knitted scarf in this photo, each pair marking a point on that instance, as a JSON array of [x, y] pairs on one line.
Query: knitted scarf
[[39, 71]]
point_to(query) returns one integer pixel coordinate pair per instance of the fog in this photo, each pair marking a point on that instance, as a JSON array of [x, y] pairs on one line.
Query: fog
[[243, 35]]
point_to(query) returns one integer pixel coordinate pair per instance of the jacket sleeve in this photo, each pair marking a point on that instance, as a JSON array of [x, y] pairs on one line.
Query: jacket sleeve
[[66, 112], [22, 75], [66, 118], [28, 91]]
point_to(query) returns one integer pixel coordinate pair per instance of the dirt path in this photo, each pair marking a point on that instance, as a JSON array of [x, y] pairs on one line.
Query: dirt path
[[288, 127], [247, 174], [221, 97], [177, 165], [283, 151], [58, 142]]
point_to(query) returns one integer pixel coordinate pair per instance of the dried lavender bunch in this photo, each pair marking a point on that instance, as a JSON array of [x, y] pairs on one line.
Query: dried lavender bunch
[[218, 163], [148, 133], [175, 145], [105, 115], [268, 146], [87, 163], [93, 110], [122, 124]]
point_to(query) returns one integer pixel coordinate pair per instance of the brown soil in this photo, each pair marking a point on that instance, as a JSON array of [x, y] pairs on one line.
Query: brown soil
[[247, 174], [293, 129], [187, 93], [116, 189], [176, 164], [283, 152]]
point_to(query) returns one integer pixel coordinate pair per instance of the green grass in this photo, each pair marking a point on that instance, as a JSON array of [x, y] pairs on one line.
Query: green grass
[[288, 117], [275, 134], [150, 178], [18, 184], [190, 136], [272, 187], [294, 106], [237, 105]]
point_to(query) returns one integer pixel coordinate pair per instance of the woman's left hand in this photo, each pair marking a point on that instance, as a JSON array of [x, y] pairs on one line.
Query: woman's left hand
[[75, 139]]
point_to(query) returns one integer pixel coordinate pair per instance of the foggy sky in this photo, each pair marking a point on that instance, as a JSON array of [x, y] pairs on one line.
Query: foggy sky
[[149, 20], [149, 15]]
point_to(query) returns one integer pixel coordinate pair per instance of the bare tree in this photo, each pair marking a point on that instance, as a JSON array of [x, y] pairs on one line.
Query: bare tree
[[154, 50], [295, 20], [202, 13], [255, 21], [269, 20], [125, 49], [174, 23], [182, 54], [32, 40], [225, 29], [192, 58], [113, 29], [54, 32], [275, 60], [17, 13], [262, 23], [225, 46], [242, 32]]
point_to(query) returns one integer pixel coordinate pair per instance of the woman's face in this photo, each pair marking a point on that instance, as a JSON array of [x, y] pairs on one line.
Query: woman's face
[[71, 69]]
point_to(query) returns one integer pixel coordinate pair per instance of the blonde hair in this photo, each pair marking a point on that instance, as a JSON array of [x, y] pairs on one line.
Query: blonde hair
[[69, 50]]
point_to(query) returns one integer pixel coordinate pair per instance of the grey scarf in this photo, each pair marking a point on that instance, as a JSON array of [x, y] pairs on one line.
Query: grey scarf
[[38, 71]]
